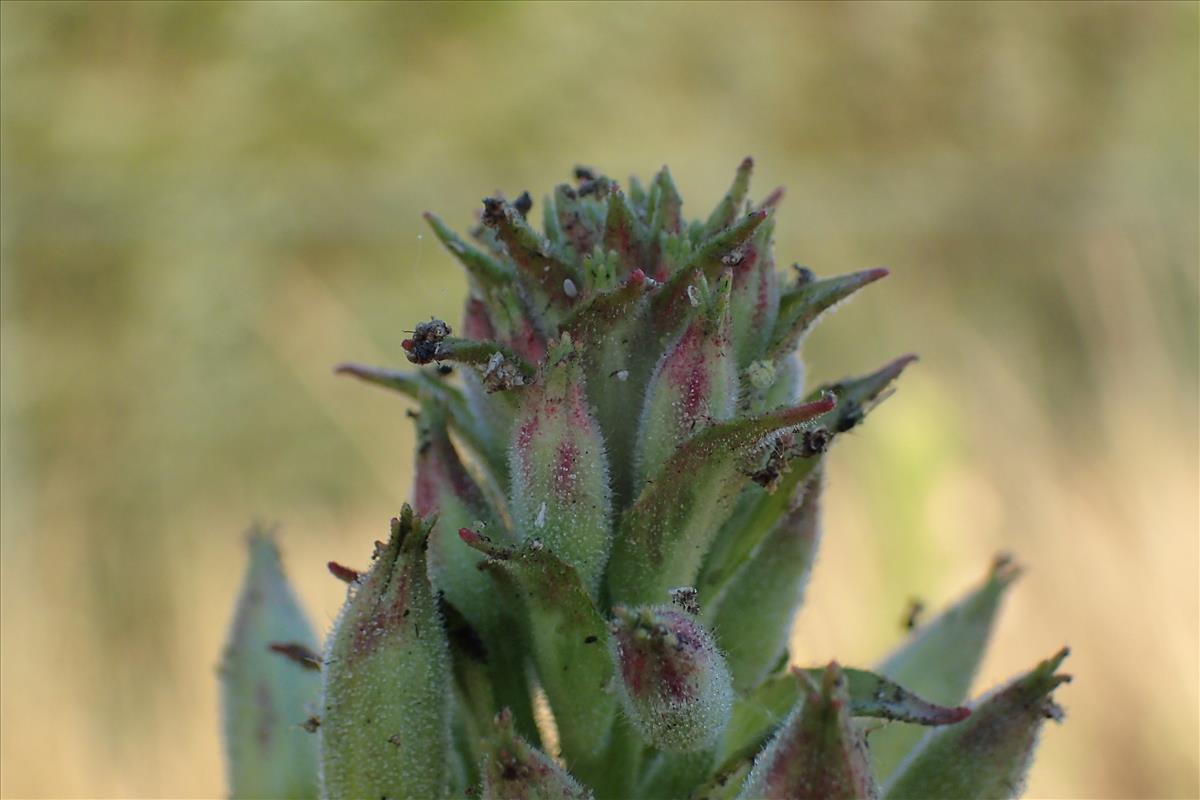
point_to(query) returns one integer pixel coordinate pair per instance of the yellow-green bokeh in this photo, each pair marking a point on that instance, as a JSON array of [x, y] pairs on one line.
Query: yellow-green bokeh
[[206, 206]]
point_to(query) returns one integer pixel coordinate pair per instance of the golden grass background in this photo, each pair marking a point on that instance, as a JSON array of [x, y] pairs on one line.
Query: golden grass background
[[206, 206]]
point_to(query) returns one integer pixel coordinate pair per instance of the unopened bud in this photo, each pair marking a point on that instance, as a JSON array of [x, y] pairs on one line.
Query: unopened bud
[[817, 753], [385, 722], [560, 486], [515, 770], [673, 681]]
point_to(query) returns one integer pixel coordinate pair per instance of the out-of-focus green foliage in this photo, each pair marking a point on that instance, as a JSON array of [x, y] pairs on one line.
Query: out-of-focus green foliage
[[204, 207]]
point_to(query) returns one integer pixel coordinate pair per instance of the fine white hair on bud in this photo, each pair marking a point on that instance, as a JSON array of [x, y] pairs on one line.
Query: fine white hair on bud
[[673, 683]]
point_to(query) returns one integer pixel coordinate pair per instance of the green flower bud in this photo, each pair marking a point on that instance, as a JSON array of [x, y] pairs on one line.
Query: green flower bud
[[385, 727], [695, 383], [265, 697], [560, 489]]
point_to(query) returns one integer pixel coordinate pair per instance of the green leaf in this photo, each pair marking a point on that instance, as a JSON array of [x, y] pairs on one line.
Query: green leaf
[[988, 755], [265, 697], [663, 536], [757, 714], [940, 660], [758, 509], [753, 616], [570, 646]]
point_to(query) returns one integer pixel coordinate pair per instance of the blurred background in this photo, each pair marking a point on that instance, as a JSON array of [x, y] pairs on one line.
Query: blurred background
[[207, 206]]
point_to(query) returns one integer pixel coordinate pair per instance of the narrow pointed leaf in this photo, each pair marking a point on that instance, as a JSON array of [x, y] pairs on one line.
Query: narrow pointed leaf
[[758, 713], [787, 469], [385, 723], [265, 697], [414, 382], [663, 536], [754, 614], [988, 755], [801, 306], [940, 660], [484, 269], [544, 275], [731, 204]]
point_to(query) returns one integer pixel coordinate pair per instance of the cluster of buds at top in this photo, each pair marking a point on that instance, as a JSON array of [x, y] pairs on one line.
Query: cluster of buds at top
[[617, 509]]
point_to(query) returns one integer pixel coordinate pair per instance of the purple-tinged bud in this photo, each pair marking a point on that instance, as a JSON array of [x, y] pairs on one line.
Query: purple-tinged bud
[[514, 770], [385, 722], [695, 383], [817, 754], [265, 695], [988, 755], [673, 681], [560, 489]]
